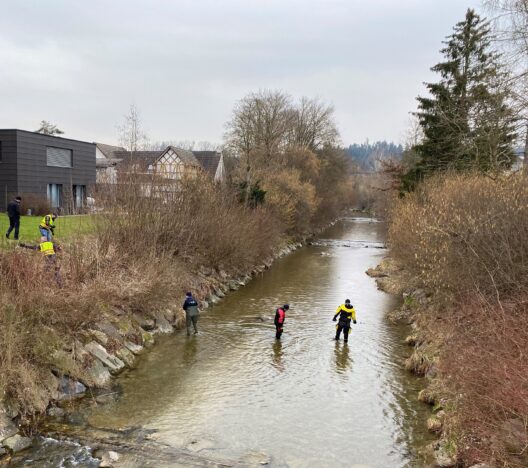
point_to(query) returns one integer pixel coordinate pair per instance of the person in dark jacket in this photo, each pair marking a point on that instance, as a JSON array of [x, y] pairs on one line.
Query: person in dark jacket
[[280, 317], [190, 306], [13, 212]]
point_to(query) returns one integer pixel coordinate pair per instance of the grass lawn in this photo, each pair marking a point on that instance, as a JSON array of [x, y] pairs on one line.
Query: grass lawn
[[66, 227]]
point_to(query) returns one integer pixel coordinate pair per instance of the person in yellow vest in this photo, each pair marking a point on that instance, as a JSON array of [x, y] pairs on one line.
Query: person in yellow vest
[[346, 315], [47, 226], [49, 249]]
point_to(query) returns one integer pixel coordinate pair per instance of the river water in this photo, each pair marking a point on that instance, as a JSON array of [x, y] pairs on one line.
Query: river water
[[303, 401]]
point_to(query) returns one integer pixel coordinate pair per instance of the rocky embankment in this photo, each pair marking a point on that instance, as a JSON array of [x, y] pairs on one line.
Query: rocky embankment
[[110, 346], [417, 306]]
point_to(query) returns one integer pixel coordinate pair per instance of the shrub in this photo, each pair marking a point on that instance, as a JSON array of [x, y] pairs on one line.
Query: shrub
[[461, 233], [39, 205]]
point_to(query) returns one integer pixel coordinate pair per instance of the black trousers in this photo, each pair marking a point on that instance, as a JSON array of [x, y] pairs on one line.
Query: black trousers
[[278, 331], [342, 327], [14, 223]]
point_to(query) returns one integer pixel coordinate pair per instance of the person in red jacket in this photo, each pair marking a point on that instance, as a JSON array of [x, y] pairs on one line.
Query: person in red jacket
[[280, 317]]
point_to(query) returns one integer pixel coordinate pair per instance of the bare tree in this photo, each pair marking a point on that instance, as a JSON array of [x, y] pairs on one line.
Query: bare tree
[[267, 126], [313, 125], [511, 29], [47, 128], [258, 128], [131, 133]]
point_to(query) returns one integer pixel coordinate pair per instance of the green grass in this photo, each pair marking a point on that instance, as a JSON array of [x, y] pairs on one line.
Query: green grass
[[67, 227]]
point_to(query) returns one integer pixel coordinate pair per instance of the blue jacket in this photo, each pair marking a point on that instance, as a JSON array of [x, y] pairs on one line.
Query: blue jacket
[[190, 306]]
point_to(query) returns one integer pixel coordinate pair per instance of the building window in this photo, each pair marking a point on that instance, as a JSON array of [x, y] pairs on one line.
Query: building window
[[79, 196], [59, 157], [55, 195]]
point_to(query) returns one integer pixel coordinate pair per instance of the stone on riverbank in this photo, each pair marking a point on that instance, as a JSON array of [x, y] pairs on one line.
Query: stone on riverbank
[[70, 389], [133, 348], [17, 443], [113, 363], [7, 428], [109, 459], [126, 356]]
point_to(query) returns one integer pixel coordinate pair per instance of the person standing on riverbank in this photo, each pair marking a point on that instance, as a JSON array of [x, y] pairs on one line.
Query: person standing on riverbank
[[280, 317], [47, 226], [190, 306], [346, 314], [13, 213]]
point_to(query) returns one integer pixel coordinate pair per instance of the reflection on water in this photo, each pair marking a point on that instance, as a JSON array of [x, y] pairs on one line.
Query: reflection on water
[[306, 400], [343, 361], [277, 356]]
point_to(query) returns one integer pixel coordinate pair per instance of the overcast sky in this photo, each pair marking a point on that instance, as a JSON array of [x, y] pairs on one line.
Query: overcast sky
[[184, 63]]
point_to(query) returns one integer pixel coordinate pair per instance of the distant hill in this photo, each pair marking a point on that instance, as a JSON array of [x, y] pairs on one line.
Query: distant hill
[[368, 156]]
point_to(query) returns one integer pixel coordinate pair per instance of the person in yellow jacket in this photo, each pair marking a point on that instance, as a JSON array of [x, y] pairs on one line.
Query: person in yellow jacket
[[48, 250], [47, 226], [346, 315]]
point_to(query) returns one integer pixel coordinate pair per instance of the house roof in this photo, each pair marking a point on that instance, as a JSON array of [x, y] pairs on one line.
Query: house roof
[[209, 160], [144, 159], [109, 150], [101, 163], [186, 156]]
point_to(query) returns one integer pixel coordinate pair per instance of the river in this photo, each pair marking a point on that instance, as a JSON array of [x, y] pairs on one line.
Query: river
[[233, 392]]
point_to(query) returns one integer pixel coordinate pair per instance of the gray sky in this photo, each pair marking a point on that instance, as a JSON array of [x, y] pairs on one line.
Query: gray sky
[[184, 63]]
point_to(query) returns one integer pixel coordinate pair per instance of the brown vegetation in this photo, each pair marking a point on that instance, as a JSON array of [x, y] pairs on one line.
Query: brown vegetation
[[462, 237]]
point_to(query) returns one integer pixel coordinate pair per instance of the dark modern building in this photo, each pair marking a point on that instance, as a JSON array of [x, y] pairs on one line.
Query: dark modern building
[[45, 167]]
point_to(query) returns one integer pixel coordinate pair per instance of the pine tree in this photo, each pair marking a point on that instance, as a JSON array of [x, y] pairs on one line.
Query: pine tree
[[466, 122]]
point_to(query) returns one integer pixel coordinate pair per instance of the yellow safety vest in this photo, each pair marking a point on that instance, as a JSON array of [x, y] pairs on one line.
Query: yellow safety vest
[[47, 248], [47, 222]]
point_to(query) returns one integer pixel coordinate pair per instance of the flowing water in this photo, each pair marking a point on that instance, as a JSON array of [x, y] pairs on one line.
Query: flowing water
[[304, 401]]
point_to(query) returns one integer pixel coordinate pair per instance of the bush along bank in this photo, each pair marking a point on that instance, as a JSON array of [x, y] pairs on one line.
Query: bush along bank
[[107, 346], [459, 262]]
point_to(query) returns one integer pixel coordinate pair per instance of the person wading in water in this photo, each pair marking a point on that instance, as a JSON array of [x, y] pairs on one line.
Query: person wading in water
[[280, 317], [346, 314], [190, 306]]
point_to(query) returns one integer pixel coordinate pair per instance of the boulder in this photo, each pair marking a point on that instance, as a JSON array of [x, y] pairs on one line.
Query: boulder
[[434, 424], [111, 331], [133, 348], [113, 363], [147, 338], [97, 374], [17, 443], [70, 389], [7, 427], [146, 323], [162, 325], [219, 293], [126, 356], [56, 412], [109, 459], [99, 336]]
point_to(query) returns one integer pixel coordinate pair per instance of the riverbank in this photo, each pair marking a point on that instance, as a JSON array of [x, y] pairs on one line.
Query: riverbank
[[416, 306], [105, 347], [458, 264]]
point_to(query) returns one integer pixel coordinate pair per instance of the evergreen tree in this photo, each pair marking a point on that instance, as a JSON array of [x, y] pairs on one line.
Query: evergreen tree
[[466, 122], [47, 128]]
